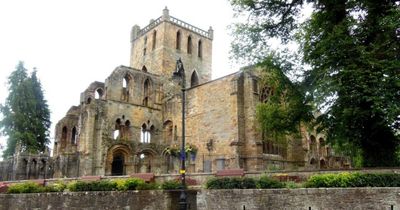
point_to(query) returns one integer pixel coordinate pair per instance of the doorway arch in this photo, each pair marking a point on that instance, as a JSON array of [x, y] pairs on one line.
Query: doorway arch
[[117, 165], [118, 158]]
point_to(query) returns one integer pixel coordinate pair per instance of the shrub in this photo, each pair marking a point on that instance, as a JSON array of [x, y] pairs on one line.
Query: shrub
[[266, 183], [55, 187], [148, 186], [291, 185], [26, 187], [127, 184], [353, 180], [171, 185], [103, 185], [231, 183]]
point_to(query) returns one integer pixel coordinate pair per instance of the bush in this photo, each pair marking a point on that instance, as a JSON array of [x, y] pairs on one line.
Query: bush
[[148, 186], [353, 180], [171, 185], [266, 183], [103, 185], [231, 183], [127, 184], [56, 187], [26, 187]]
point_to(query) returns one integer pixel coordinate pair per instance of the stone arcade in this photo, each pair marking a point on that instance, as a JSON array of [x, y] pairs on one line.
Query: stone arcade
[[131, 122]]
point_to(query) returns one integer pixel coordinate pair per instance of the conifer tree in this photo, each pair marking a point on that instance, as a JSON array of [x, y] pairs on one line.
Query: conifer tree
[[26, 117]]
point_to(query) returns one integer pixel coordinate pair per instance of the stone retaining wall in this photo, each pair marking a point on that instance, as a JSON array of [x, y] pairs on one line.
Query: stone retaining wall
[[332, 198]]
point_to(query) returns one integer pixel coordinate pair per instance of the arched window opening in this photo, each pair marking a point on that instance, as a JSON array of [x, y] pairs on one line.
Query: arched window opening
[[117, 129], [144, 45], [322, 164], [144, 69], [125, 87], [115, 134], [74, 136], [168, 130], [322, 150], [98, 93], [64, 133], [145, 162], [88, 100], [145, 135], [178, 40], [154, 40], [125, 130], [266, 93], [146, 92], [313, 161], [194, 80], [200, 50], [313, 144], [126, 81], [189, 45]]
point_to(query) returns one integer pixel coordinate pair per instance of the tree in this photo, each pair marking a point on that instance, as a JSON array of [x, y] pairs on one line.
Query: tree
[[26, 117], [352, 48], [283, 104]]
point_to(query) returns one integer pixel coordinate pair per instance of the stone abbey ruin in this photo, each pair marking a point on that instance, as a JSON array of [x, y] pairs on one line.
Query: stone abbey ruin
[[131, 122]]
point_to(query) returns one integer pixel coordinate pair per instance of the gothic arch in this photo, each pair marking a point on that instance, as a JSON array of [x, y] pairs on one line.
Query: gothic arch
[[147, 160], [178, 40], [168, 131], [194, 79], [189, 45], [200, 49], [98, 93], [118, 157], [147, 89], [154, 40]]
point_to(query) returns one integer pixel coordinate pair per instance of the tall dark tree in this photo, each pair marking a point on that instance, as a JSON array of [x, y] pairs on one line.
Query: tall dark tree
[[26, 117], [353, 50]]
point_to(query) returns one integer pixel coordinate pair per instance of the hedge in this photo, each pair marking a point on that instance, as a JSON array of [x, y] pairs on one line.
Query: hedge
[[31, 187], [353, 180], [231, 183]]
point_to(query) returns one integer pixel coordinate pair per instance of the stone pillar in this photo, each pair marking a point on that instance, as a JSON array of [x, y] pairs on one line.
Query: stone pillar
[[210, 33], [165, 15]]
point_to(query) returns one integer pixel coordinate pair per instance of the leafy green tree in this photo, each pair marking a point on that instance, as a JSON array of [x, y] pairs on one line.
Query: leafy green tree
[[284, 106], [26, 117], [353, 51]]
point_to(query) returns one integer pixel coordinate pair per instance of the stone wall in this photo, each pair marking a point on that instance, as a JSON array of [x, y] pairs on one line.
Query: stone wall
[[333, 198]]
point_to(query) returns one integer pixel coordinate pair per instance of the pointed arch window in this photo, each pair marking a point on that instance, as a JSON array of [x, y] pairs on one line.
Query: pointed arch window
[[144, 69], [64, 133], [189, 45], [199, 49], [74, 135], [145, 135], [168, 131], [178, 40], [144, 45], [194, 80], [154, 39], [146, 92], [98, 93]]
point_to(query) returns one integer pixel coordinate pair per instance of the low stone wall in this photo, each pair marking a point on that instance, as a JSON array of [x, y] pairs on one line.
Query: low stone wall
[[107, 200], [296, 199], [332, 198]]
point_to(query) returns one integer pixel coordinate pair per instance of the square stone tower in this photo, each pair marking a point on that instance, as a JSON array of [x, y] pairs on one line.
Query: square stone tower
[[156, 47]]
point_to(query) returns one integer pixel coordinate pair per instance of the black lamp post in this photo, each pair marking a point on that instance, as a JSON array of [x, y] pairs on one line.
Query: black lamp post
[[179, 74]]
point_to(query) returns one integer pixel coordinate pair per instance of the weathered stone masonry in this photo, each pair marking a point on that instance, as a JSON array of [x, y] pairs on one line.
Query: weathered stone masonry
[[129, 123]]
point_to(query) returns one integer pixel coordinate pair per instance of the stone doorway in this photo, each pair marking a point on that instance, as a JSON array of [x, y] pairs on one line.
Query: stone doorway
[[117, 166]]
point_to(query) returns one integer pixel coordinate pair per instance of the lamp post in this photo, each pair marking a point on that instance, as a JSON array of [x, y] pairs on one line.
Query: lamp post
[[179, 74]]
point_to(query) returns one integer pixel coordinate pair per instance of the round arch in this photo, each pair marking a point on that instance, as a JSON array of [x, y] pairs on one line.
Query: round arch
[[117, 160]]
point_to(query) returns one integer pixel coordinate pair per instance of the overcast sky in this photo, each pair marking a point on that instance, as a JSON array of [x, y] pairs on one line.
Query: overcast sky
[[75, 42]]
